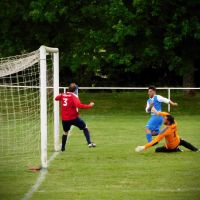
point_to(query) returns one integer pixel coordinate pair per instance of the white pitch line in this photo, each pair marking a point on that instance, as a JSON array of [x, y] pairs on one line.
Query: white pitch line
[[166, 190], [43, 174], [40, 179]]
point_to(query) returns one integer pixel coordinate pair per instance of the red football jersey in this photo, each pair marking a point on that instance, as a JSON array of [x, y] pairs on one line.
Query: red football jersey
[[70, 104]]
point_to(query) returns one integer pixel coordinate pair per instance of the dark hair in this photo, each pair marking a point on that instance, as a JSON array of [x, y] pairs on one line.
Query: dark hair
[[152, 88], [72, 87], [170, 119]]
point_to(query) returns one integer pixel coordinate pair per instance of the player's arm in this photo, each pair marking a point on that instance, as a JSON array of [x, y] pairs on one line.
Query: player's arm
[[149, 107], [173, 103], [163, 114], [165, 100], [78, 103], [163, 134], [166, 131], [59, 97]]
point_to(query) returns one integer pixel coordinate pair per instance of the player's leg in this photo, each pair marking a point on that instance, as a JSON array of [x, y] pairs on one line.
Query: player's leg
[[157, 125], [148, 134], [188, 145], [64, 140], [66, 128], [153, 127], [163, 149], [155, 132], [82, 126], [149, 129]]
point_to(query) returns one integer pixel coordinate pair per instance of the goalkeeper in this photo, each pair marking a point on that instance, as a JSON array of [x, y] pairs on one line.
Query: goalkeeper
[[170, 133], [70, 115]]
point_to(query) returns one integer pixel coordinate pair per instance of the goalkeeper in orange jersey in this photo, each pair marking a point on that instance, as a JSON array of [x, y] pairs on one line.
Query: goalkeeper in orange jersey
[[170, 133]]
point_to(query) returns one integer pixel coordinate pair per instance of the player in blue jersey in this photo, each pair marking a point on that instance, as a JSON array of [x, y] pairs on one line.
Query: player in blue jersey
[[155, 122]]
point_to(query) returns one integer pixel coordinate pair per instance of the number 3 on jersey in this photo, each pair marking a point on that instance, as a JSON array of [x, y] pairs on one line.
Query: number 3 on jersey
[[65, 101]]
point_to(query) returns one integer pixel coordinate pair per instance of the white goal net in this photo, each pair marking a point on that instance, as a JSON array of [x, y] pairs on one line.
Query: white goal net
[[20, 109]]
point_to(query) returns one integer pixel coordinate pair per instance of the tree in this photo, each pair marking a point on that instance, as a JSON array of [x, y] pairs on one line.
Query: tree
[[115, 42], [168, 35]]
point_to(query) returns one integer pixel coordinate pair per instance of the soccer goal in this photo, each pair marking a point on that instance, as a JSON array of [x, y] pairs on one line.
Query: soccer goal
[[29, 116]]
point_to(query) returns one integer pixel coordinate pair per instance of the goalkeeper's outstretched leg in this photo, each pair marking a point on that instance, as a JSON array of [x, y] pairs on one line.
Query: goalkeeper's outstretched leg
[[188, 145]]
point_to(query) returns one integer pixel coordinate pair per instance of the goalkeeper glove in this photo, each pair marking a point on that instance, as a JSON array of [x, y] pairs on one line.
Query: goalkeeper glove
[[140, 148]]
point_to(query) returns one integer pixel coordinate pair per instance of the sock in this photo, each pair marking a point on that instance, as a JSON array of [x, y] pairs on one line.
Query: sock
[[64, 139], [87, 135], [149, 137]]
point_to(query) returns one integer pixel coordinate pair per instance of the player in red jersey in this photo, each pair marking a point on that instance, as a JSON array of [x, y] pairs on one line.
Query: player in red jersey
[[70, 103]]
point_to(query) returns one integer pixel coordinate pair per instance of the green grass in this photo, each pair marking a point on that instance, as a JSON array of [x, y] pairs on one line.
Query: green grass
[[113, 170]]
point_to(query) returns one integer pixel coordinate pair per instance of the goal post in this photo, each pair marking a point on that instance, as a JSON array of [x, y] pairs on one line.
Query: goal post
[[56, 103], [43, 100], [29, 115]]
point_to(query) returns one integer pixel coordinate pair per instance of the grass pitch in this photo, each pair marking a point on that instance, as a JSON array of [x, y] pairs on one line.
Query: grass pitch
[[113, 170]]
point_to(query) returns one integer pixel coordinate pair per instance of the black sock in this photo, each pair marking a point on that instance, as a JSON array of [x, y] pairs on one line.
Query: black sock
[[64, 139], [188, 145], [87, 135]]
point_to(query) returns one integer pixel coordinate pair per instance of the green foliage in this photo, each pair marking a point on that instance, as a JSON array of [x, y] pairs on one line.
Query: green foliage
[[92, 35]]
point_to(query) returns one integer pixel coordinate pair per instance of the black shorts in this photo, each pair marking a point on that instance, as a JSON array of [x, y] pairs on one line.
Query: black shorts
[[78, 122]]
